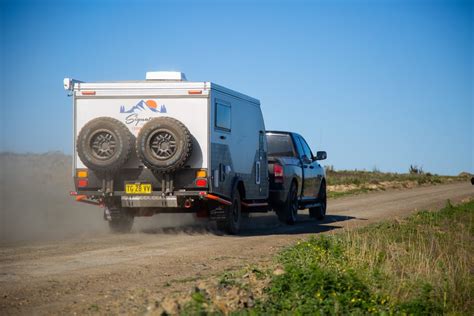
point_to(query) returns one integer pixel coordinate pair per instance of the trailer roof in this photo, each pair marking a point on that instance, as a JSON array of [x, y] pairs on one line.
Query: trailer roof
[[158, 85]]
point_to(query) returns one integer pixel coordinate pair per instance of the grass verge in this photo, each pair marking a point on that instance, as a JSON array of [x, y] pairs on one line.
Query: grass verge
[[420, 265], [350, 182]]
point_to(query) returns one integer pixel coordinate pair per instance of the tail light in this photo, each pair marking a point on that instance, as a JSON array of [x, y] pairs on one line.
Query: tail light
[[82, 180], [201, 182], [82, 183], [82, 173], [201, 174], [278, 172]]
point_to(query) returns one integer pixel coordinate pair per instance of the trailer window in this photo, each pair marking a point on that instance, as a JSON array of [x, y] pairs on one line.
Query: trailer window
[[223, 119], [280, 145]]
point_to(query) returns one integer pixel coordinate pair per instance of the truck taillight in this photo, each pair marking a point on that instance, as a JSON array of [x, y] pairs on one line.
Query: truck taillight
[[82, 183], [278, 172]]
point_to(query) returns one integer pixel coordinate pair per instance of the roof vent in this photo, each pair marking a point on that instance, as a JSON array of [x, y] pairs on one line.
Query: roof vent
[[166, 75]]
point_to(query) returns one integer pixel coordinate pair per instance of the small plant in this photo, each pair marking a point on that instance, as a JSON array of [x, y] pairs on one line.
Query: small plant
[[227, 279], [414, 169]]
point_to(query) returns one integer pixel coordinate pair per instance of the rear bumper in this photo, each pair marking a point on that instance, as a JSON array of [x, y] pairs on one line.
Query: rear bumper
[[180, 201], [149, 201], [177, 200]]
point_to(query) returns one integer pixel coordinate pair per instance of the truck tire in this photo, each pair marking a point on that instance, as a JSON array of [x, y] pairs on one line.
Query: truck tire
[[164, 144], [104, 144], [287, 212], [121, 220], [319, 212], [231, 225]]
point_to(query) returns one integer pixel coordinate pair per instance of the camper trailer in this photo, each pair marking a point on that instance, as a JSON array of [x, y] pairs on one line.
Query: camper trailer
[[166, 144]]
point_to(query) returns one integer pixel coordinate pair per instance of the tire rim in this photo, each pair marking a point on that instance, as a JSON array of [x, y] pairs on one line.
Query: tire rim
[[103, 144], [162, 145]]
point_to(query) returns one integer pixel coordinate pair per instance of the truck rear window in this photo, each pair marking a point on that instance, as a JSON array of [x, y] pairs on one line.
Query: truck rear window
[[280, 145]]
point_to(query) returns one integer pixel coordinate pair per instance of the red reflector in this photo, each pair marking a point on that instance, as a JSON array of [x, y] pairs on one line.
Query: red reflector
[[88, 92], [194, 91], [201, 182], [82, 183]]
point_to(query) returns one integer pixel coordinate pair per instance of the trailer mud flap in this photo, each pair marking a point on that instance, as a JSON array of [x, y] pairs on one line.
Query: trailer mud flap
[[217, 214], [149, 201]]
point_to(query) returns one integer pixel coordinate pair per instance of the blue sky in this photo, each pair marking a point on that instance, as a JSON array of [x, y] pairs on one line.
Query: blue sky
[[380, 84]]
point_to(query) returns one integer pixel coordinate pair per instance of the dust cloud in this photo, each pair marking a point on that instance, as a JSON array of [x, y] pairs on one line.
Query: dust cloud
[[35, 203]]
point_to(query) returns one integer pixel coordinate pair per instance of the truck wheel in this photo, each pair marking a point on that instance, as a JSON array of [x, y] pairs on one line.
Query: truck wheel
[[231, 224], [121, 220], [288, 211], [320, 212], [104, 144], [164, 144]]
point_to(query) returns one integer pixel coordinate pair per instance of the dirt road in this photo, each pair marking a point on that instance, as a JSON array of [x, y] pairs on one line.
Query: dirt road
[[126, 273]]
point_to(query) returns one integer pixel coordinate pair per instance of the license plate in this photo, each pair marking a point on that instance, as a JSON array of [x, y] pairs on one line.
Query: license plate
[[138, 188]]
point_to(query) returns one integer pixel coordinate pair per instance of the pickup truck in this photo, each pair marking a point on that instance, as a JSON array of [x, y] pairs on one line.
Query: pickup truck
[[297, 180]]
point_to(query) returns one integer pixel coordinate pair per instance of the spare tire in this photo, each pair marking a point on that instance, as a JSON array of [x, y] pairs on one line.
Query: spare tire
[[104, 144], [164, 144]]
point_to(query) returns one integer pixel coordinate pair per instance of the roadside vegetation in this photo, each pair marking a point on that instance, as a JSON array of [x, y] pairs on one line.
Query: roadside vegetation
[[348, 182], [419, 265]]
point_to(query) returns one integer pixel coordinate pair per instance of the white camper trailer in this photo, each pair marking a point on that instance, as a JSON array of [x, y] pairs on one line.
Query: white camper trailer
[[165, 144]]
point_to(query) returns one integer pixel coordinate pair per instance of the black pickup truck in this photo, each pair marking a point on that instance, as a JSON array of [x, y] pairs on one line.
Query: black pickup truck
[[297, 180]]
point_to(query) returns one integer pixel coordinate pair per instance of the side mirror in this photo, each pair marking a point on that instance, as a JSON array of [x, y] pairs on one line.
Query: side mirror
[[321, 155]]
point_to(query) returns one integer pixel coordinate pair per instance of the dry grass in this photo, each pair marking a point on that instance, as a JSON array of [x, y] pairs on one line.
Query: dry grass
[[347, 182], [429, 253]]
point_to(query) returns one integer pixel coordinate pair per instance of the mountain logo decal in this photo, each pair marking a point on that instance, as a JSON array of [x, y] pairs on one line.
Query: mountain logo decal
[[144, 106]]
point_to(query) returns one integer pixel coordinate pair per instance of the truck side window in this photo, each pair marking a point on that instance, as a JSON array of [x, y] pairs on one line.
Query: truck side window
[[299, 146], [306, 149], [223, 119]]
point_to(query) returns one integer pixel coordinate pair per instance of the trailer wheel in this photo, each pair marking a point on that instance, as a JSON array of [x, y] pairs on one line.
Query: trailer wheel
[[231, 224], [121, 219], [104, 144], [164, 144], [287, 212], [320, 212]]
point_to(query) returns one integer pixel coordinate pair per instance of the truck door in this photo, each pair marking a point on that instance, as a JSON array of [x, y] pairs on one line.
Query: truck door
[[310, 185]]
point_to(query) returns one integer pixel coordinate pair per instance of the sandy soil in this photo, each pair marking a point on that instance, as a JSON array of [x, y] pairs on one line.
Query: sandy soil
[[128, 273]]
